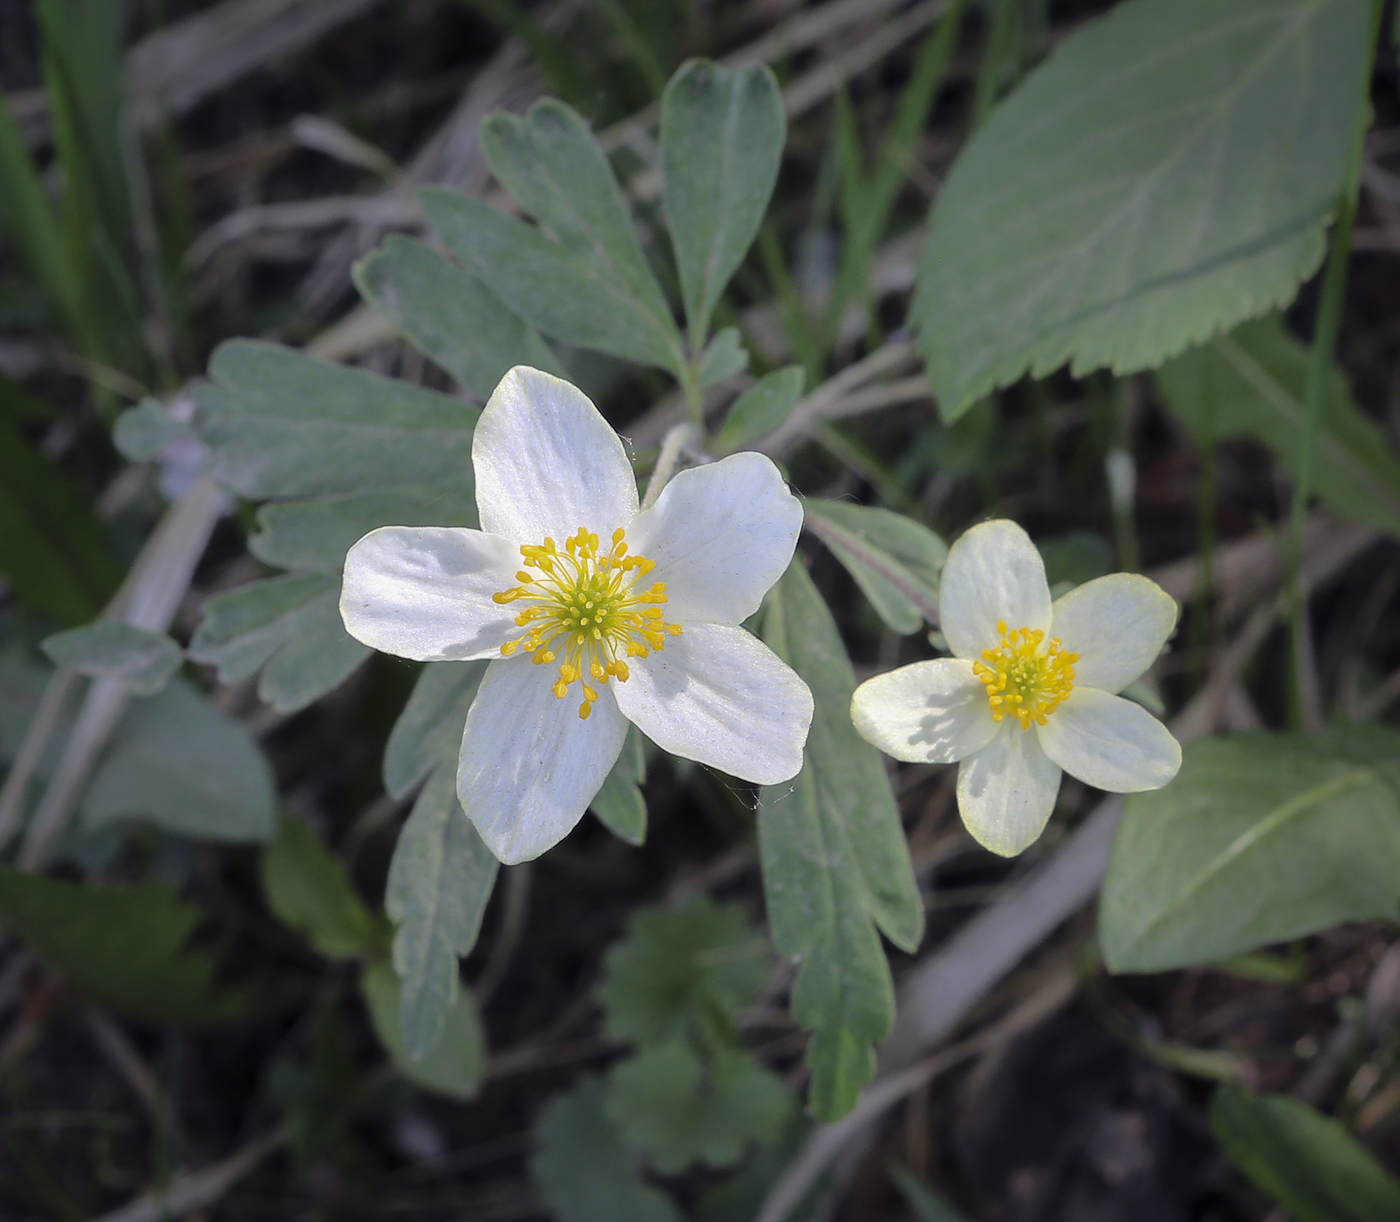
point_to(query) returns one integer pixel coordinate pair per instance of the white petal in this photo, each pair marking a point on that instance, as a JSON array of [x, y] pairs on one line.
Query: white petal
[[1110, 743], [547, 462], [721, 697], [992, 573], [1117, 625], [529, 764], [424, 592], [720, 535], [1007, 790], [930, 712]]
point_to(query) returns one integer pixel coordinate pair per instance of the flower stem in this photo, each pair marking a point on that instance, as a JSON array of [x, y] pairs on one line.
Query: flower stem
[[676, 439], [1324, 346]]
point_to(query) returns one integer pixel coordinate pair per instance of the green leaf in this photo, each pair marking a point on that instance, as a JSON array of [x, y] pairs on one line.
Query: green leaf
[[305, 884], [1261, 838], [454, 1065], [677, 964], [565, 293], [895, 561], [1164, 175], [439, 881], [1251, 383], [112, 649], [314, 535], [681, 1109], [124, 947], [620, 804], [722, 133], [190, 768], [54, 551], [760, 409], [583, 1170], [450, 315], [835, 862], [926, 1204], [143, 432], [429, 730], [288, 626], [724, 356], [280, 423], [1307, 1162]]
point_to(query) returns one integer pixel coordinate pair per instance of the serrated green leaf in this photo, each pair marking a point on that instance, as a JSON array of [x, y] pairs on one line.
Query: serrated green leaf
[[439, 881], [724, 356], [835, 862], [555, 288], [429, 730], [619, 803], [722, 133], [124, 947], [760, 409], [283, 424], [190, 768], [1252, 383], [676, 967], [895, 560], [582, 1169], [681, 1109], [314, 535], [112, 649], [307, 887], [1163, 176], [453, 1066], [449, 315], [289, 626], [1305, 1161], [53, 550], [1261, 838]]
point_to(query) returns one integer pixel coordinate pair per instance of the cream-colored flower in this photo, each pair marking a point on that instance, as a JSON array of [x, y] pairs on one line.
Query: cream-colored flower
[[1030, 689], [597, 613]]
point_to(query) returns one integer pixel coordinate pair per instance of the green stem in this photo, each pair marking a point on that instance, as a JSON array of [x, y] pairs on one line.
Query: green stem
[[1199, 632], [1324, 346], [690, 388]]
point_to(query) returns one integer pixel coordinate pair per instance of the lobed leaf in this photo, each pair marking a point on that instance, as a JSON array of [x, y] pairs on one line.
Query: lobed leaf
[[1261, 838], [1164, 175], [835, 863], [112, 649], [454, 1065], [724, 356], [619, 803], [429, 730], [306, 885], [761, 409]]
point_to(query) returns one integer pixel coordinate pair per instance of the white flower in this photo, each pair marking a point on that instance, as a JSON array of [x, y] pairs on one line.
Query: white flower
[[1030, 689], [596, 612]]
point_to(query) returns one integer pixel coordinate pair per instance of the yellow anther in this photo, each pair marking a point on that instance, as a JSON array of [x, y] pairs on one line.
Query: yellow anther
[[1024, 679]]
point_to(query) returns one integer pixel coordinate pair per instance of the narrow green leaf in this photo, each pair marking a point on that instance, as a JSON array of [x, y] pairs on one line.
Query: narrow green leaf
[[1164, 175], [288, 626], [681, 1109], [1251, 383], [307, 887], [926, 1204], [895, 560], [582, 1169], [620, 804], [124, 947], [724, 356], [439, 881], [555, 288], [111, 649], [314, 535], [761, 408], [722, 133], [1305, 1161], [429, 730], [835, 862], [190, 768], [453, 1066], [1261, 838], [450, 315], [54, 551], [280, 423]]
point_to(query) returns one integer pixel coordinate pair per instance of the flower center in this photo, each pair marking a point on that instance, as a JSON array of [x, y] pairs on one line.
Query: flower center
[[1024, 680], [585, 604]]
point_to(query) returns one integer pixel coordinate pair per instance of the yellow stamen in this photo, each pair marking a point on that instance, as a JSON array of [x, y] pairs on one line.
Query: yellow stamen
[[1024, 679], [586, 606]]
